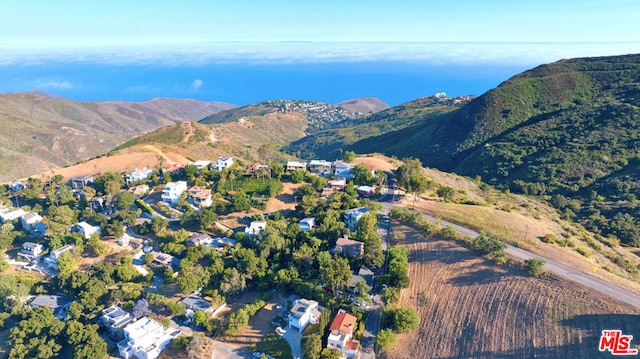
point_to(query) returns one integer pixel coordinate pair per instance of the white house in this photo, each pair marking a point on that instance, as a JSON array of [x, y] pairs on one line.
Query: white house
[[31, 251], [256, 227], [341, 334], [352, 216], [201, 164], [138, 175], [86, 229], [52, 259], [145, 339], [320, 167], [304, 311], [29, 219], [307, 224], [224, 162], [173, 190], [342, 169], [294, 165], [115, 319], [366, 191], [7, 215]]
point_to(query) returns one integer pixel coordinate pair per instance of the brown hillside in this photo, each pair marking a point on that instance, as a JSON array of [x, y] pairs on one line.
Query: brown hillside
[[364, 105]]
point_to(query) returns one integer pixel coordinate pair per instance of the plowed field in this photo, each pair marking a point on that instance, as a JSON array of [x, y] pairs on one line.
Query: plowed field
[[470, 307]]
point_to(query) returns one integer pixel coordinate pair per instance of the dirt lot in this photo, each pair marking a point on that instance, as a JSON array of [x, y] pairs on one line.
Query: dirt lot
[[259, 325], [471, 308], [285, 200], [379, 162]]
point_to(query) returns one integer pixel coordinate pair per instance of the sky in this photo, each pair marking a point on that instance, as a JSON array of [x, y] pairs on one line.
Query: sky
[[46, 44]]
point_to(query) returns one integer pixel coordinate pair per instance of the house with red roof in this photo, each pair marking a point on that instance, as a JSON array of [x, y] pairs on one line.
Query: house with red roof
[[341, 334]]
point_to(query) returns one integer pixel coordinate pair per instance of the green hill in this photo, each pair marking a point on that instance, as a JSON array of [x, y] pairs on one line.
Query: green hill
[[568, 131]]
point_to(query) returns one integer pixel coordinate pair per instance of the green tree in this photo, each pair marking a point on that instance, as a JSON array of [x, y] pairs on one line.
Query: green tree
[[349, 156], [445, 192], [330, 353], [534, 266], [405, 319], [66, 264], [385, 340], [312, 347]]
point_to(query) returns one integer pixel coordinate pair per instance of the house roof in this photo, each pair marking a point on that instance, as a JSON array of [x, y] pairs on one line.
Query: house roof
[[351, 345], [194, 302], [54, 302], [343, 322], [31, 245]]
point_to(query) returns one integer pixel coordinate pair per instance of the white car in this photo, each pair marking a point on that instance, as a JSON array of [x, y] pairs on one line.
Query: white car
[[256, 354]]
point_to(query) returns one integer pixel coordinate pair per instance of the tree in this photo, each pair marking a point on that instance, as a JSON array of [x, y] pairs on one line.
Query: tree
[[331, 353], [158, 224], [297, 176], [200, 347], [125, 200], [534, 266], [85, 341], [66, 264], [405, 319], [141, 308], [416, 185], [96, 246], [385, 340], [188, 282], [336, 271], [312, 347], [446, 193], [349, 156], [277, 169]]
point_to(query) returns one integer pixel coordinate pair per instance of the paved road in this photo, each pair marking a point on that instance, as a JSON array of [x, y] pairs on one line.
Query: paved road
[[550, 265], [226, 351]]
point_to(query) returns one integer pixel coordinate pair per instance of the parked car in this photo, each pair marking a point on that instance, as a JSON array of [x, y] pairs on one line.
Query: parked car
[[256, 354]]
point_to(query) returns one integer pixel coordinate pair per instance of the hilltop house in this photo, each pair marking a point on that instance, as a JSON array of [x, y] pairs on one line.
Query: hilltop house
[[173, 190], [31, 251], [201, 164], [115, 319], [341, 334], [294, 165], [320, 167], [349, 247], [304, 311], [352, 216], [145, 339], [86, 229], [224, 162], [200, 196], [307, 224], [255, 228], [137, 175]]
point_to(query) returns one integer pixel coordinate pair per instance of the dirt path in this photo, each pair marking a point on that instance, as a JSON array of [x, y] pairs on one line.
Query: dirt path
[[190, 133]]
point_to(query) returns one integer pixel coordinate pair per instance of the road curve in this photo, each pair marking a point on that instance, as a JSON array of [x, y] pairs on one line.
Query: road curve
[[550, 265]]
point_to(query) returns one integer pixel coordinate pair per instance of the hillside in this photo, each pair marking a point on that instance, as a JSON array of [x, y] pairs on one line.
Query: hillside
[[363, 105], [41, 132], [567, 131], [319, 115]]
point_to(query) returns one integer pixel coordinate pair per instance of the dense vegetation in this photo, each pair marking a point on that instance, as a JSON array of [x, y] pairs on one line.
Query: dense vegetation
[[567, 132]]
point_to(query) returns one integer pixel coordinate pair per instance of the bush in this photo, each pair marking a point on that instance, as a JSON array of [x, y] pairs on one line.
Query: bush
[[385, 340], [534, 266], [549, 238]]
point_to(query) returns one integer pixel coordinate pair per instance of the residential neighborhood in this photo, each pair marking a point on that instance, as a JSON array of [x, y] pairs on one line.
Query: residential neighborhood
[[156, 255]]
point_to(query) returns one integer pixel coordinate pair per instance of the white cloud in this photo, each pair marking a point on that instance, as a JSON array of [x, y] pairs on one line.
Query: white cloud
[[197, 84], [57, 84]]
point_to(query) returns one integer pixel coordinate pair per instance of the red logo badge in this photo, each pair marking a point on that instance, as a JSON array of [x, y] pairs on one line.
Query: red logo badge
[[617, 343]]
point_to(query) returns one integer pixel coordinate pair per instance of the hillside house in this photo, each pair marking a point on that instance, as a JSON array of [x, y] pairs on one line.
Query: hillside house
[[86, 229], [338, 185], [352, 216], [307, 224], [224, 162], [200, 196], [164, 260], [366, 191], [173, 190], [18, 185], [257, 169], [8, 216], [341, 334], [201, 164], [137, 175], [342, 170], [79, 182], [294, 165], [114, 319], [145, 339], [59, 305], [198, 239], [31, 251], [255, 228], [320, 167], [349, 247], [303, 312], [139, 190], [194, 303], [52, 259], [29, 219]]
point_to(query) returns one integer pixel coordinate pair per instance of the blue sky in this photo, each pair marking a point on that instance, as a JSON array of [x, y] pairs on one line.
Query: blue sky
[[181, 48]]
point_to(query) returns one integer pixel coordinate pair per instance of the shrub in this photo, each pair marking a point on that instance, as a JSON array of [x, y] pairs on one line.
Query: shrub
[[534, 266]]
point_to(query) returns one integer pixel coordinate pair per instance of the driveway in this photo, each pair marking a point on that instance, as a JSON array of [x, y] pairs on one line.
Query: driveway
[[227, 351], [294, 339]]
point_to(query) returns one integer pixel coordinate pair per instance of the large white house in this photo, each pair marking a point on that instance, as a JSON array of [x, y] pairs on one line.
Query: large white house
[[352, 216], [342, 169], [224, 162], [304, 311], [29, 219], [7, 215], [31, 251], [138, 175], [145, 339], [201, 164], [86, 229], [256, 227], [173, 190]]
